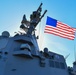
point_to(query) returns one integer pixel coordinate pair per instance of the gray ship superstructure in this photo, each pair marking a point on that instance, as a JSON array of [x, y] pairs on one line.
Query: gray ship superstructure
[[20, 54]]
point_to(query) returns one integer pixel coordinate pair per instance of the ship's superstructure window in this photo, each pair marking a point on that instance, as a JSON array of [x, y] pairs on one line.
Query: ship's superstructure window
[[56, 64], [51, 63], [62, 66]]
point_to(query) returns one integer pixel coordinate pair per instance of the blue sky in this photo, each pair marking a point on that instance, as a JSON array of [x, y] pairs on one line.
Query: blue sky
[[11, 12]]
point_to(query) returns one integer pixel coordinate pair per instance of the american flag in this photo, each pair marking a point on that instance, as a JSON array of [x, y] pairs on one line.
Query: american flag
[[58, 28]]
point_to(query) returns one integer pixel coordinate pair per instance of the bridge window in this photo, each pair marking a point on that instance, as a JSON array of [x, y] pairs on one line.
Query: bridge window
[[57, 64], [62, 66], [51, 63]]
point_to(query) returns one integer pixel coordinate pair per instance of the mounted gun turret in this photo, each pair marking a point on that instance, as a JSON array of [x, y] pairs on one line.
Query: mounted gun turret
[[35, 18]]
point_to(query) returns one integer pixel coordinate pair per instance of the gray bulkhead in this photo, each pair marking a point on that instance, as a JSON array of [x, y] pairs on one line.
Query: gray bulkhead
[[15, 60]]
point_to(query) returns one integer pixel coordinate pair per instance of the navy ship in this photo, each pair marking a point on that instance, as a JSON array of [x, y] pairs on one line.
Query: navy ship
[[20, 54]]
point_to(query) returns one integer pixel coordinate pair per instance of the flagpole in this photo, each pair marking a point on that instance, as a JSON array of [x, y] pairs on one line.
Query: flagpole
[[75, 48], [74, 51]]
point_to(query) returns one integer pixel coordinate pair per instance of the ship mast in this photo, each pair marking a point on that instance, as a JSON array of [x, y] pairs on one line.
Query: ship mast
[[35, 18]]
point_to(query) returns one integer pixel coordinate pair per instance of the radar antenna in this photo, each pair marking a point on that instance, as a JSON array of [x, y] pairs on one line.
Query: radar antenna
[[67, 56]]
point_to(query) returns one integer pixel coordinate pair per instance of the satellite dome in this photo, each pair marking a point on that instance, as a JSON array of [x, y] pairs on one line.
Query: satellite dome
[[5, 33], [46, 50]]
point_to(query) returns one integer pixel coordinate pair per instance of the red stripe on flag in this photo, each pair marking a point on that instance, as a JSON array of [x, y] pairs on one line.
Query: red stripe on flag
[[71, 38]]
